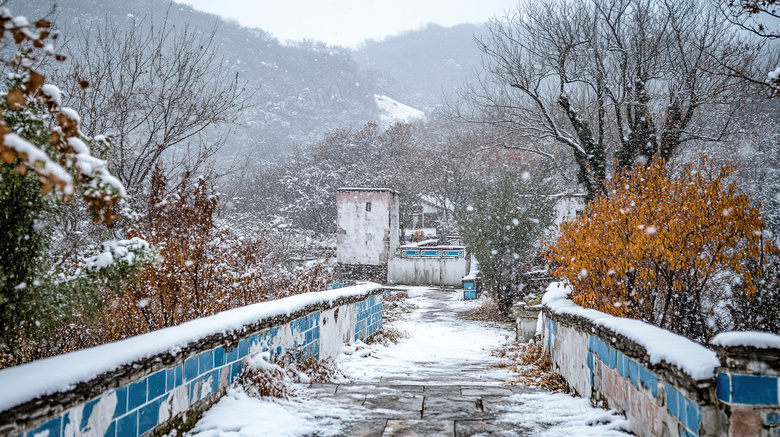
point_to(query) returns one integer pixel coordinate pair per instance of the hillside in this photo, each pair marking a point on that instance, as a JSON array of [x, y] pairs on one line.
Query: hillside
[[300, 91], [417, 66]]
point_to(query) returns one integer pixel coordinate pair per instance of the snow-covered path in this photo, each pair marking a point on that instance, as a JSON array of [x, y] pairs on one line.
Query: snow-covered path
[[442, 380]]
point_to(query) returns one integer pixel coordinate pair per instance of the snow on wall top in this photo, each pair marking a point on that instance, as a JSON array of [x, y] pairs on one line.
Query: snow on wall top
[[367, 189], [759, 340], [29, 381], [690, 357]]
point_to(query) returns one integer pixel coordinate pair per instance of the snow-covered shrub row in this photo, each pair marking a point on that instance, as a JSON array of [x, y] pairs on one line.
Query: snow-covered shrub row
[[666, 384], [135, 385]]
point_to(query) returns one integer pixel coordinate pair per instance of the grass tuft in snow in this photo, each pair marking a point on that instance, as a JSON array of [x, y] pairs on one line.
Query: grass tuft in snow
[[323, 371], [487, 311], [387, 336], [532, 365], [264, 379]]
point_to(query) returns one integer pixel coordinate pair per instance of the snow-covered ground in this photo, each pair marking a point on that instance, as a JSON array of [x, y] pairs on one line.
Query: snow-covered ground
[[391, 111], [446, 360]]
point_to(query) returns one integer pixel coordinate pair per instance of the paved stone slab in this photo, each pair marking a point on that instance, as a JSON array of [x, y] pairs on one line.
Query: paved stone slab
[[356, 399], [485, 391], [423, 428], [394, 407], [473, 428], [401, 388], [441, 408], [494, 404], [442, 390], [323, 389], [366, 428]]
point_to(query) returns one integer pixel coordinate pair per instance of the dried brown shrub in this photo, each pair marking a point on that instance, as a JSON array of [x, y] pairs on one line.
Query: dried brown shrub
[[323, 371], [487, 311], [387, 336], [396, 305], [263, 379], [533, 366]]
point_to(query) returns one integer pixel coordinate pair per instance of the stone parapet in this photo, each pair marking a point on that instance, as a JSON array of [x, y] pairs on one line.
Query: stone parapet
[[172, 377], [748, 384], [666, 385]]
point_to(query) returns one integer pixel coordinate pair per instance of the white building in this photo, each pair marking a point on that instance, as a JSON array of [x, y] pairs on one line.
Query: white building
[[368, 226]]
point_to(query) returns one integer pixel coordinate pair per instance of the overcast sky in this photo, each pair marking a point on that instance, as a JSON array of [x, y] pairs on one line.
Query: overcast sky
[[349, 22]]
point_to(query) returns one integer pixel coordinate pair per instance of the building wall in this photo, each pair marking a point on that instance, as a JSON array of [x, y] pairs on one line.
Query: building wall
[[567, 207], [427, 271], [367, 235]]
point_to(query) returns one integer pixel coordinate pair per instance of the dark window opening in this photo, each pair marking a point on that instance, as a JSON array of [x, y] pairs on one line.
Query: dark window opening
[[368, 206]]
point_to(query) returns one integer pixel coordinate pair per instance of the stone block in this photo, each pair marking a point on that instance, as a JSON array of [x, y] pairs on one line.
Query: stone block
[[219, 356], [136, 394], [745, 423], [723, 387], [127, 426], [191, 369], [156, 385], [671, 400], [754, 390], [121, 402], [53, 428], [411, 428], [770, 418], [147, 417]]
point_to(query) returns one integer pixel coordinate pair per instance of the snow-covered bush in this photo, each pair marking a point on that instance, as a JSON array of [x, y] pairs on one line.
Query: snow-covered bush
[[45, 161]]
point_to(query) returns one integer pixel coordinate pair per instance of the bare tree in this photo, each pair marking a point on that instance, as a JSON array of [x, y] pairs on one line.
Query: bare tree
[[637, 78], [760, 17], [160, 91]]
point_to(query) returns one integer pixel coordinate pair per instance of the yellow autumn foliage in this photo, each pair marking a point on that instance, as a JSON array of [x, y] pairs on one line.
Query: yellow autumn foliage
[[658, 247]]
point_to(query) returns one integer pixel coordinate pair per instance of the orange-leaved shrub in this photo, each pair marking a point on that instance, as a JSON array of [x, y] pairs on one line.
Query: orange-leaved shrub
[[663, 249], [202, 270]]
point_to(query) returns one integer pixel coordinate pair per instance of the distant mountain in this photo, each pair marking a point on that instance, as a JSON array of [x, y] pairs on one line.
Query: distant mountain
[[301, 91], [415, 67]]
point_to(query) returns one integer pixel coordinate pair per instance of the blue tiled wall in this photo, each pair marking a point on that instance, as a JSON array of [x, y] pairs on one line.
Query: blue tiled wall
[[757, 393], [686, 411], [369, 317], [135, 409], [748, 389]]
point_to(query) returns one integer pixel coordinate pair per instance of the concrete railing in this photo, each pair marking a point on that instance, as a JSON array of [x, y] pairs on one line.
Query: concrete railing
[[665, 384], [164, 380]]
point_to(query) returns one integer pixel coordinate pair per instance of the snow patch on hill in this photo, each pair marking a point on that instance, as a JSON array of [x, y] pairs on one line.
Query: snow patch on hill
[[391, 111]]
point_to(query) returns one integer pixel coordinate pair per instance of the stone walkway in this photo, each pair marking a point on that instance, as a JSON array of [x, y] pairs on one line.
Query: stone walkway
[[425, 410], [433, 391], [440, 381]]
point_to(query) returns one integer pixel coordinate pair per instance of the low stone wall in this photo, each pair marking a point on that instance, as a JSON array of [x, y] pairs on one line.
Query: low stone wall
[[153, 383], [361, 272], [427, 271], [665, 384], [748, 383]]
